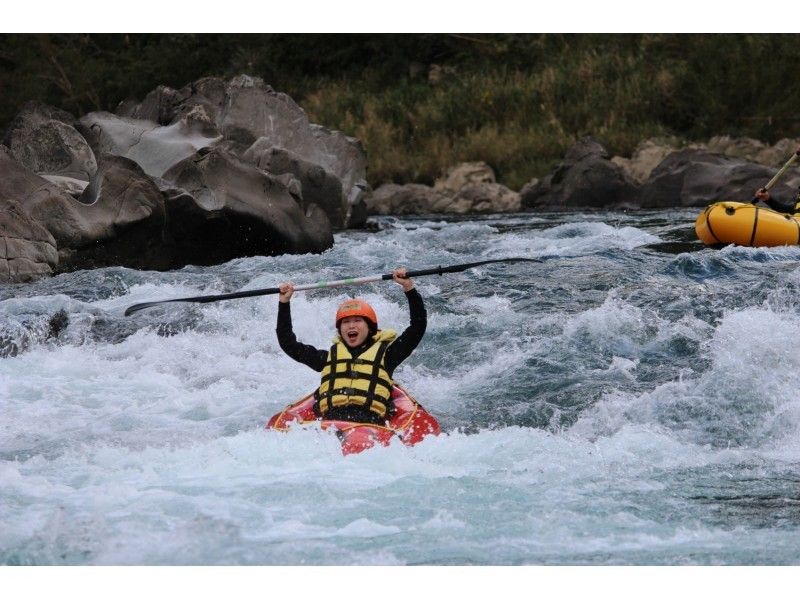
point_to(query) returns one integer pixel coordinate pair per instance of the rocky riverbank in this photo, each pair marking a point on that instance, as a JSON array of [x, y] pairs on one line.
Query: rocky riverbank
[[204, 174], [223, 169], [661, 173]]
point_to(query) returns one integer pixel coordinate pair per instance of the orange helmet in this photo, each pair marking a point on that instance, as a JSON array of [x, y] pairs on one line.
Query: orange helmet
[[356, 307]]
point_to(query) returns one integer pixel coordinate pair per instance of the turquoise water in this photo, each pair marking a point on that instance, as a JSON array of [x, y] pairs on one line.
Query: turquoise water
[[632, 399]]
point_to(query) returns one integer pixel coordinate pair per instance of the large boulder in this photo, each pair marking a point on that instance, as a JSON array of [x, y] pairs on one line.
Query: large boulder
[[231, 208], [62, 215], [119, 218], [745, 148], [247, 112], [587, 178], [45, 140], [27, 249], [213, 171], [694, 177], [778, 154], [128, 218]]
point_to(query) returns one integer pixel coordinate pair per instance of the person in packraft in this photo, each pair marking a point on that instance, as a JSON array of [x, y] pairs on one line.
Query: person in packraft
[[357, 370], [785, 206], [791, 206]]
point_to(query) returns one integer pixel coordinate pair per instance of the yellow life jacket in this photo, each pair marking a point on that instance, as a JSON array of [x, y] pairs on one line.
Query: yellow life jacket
[[357, 381]]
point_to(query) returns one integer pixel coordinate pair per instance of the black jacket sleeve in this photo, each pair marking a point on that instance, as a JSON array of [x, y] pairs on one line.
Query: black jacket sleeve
[[783, 205], [400, 349], [306, 354]]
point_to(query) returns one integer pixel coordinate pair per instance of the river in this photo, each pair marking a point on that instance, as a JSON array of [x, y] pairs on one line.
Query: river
[[633, 398]]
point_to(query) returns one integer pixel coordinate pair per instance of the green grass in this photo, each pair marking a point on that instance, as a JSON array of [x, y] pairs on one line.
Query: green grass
[[519, 123]]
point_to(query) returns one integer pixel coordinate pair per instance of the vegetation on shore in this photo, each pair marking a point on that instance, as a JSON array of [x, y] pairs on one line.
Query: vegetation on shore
[[423, 102]]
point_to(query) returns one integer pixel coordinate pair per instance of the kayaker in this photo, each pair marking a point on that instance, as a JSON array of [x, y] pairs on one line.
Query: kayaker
[[357, 369], [790, 207]]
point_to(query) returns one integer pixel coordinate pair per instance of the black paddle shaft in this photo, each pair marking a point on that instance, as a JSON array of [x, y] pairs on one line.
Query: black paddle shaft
[[274, 290], [458, 267]]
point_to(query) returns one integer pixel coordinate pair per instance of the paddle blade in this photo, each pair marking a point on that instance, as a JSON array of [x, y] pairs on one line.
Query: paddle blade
[[139, 306]]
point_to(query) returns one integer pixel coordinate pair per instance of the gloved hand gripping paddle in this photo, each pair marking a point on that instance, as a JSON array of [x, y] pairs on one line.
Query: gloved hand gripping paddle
[[778, 174], [325, 285]]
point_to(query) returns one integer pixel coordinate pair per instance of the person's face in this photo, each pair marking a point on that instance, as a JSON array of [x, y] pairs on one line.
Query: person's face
[[354, 330]]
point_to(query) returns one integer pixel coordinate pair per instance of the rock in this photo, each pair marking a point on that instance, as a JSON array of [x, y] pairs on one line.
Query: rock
[[586, 148], [777, 155], [421, 199], [72, 187], [44, 139], [407, 199], [647, 155], [488, 198], [738, 147], [652, 152], [317, 184], [155, 148], [243, 209], [357, 202], [293, 186], [119, 218], [586, 179], [693, 177], [463, 174], [128, 220], [160, 106], [247, 112], [339, 154], [171, 187], [27, 250], [60, 214]]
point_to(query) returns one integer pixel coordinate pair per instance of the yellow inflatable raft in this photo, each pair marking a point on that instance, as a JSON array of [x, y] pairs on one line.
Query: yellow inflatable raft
[[732, 222]]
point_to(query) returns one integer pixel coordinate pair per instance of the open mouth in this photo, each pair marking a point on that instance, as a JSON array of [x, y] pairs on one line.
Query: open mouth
[[352, 335]]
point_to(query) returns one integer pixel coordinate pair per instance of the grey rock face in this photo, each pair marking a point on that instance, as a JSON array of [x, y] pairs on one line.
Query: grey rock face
[[420, 199], [117, 220], [27, 250], [317, 185], [252, 118], [72, 187], [44, 202], [44, 139], [247, 211], [694, 177], [155, 148], [128, 220]]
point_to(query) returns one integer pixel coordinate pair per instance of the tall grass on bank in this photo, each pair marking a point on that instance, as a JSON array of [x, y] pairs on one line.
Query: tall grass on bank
[[520, 123]]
